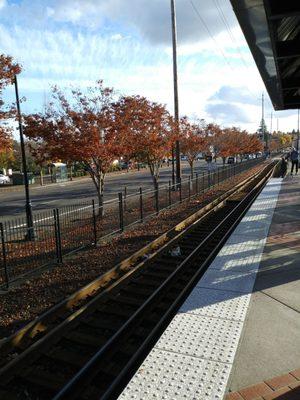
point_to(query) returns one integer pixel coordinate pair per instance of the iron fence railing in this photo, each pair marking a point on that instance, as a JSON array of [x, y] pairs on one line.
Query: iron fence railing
[[59, 232]]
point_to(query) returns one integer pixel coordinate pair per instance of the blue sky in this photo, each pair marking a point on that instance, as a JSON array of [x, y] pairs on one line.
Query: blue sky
[[128, 45]]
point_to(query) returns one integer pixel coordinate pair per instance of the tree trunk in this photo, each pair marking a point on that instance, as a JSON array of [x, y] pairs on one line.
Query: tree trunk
[[154, 171], [100, 193], [41, 177], [98, 179], [192, 169], [224, 160], [100, 202], [155, 181]]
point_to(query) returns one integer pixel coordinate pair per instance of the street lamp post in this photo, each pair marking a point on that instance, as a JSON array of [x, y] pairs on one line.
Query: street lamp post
[[176, 107], [28, 207]]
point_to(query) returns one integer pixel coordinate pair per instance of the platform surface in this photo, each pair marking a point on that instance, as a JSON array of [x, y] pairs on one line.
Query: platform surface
[[226, 333], [270, 343]]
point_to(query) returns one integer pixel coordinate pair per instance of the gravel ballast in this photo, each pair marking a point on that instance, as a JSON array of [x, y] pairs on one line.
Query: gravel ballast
[[34, 296]]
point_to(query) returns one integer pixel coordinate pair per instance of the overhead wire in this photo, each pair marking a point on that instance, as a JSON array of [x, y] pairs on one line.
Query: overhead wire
[[241, 53], [233, 39], [215, 41], [210, 34], [229, 31]]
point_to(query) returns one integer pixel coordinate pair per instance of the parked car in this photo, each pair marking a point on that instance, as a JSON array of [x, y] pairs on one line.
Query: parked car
[[4, 179], [142, 165], [125, 165], [231, 160]]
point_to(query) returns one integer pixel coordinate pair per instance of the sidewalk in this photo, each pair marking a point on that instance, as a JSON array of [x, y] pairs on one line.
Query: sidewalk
[[284, 387], [270, 344]]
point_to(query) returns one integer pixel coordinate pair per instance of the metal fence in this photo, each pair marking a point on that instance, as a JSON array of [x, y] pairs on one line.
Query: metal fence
[[59, 232]]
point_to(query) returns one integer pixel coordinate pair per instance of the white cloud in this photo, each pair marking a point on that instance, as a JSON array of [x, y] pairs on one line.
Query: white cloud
[[116, 36], [234, 94], [77, 42], [150, 18], [2, 4], [50, 11], [228, 113]]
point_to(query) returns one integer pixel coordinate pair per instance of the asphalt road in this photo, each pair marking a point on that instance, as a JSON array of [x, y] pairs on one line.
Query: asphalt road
[[71, 193]]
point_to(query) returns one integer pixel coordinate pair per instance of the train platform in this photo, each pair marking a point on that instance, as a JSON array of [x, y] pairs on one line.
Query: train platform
[[239, 328]]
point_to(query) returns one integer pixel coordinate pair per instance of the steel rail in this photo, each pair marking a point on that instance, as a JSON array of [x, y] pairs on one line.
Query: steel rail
[[33, 352], [83, 377], [154, 334], [42, 323]]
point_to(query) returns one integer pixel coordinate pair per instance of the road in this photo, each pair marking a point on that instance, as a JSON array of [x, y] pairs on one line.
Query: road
[[71, 193]]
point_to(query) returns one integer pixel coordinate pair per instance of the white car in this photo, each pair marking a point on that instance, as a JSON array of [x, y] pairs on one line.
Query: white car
[[4, 179]]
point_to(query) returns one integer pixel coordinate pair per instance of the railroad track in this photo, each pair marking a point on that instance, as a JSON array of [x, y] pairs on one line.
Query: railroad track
[[91, 353]]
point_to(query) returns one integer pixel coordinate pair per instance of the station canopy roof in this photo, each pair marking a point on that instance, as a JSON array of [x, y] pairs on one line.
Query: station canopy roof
[[272, 30]]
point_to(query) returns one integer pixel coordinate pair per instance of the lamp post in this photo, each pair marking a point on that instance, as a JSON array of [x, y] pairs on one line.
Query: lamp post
[[175, 81], [28, 207]]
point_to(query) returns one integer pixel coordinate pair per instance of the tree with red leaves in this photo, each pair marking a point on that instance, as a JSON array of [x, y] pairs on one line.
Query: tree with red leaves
[[232, 142], [251, 144], [214, 137], [192, 141], [41, 132], [144, 130], [78, 129], [5, 139], [8, 70]]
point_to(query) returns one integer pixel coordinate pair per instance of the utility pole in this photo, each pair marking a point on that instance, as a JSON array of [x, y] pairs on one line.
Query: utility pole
[[277, 125], [271, 126], [265, 134], [28, 207], [173, 166], [175, 80]]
